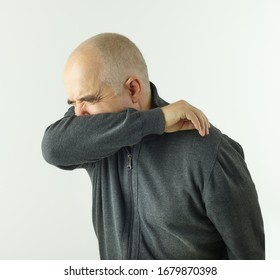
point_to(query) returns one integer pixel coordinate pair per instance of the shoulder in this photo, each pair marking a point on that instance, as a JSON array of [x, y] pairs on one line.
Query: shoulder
[[193, 145], [211, 145], [199, 153]]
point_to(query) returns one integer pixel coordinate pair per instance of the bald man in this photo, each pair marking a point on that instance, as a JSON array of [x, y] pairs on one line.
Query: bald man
[[163, 186]]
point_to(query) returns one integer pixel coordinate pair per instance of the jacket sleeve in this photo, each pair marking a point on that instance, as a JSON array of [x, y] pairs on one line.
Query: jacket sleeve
[[232, 204], [73, 141]]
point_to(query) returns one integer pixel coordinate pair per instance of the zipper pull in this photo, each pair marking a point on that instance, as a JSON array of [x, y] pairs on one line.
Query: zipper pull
[[129, 161]]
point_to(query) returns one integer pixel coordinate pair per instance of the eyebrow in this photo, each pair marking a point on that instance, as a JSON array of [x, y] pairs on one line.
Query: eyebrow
[[70, 102], [87, 98]]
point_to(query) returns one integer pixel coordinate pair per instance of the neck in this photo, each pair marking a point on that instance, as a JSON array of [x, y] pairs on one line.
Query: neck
[[147, 103]]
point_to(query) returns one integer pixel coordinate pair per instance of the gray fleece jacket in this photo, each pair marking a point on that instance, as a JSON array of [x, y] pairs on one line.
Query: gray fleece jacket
[[158, 195]]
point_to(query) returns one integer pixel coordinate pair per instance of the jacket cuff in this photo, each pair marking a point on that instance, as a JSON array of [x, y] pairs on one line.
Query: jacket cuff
[[153, 122]]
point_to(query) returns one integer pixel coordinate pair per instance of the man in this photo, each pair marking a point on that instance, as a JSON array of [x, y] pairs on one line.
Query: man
[[160, 190]]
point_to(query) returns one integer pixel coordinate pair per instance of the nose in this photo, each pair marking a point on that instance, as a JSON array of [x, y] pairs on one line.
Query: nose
[[81, 109]]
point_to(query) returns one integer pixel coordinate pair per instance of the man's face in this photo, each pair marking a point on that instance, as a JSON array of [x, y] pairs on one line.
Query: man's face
[[87, 94], [100, 100]]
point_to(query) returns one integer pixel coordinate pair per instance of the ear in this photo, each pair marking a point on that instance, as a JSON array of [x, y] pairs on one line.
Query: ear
[[134, 87]]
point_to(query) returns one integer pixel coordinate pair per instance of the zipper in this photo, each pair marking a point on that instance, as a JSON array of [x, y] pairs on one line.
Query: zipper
[[133, 227], [131, 219], [129, 157], [129, 161]]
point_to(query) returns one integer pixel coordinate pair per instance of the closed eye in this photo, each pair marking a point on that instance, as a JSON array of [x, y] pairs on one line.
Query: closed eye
[[70, 102], [87, 98], [90, 98]]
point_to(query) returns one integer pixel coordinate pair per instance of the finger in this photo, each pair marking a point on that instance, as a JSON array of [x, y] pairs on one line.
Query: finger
[[203, 124], [200, 116], [195, 120], [206, 122]]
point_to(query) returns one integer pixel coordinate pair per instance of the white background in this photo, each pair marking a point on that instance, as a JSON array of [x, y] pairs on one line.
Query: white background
[[223, 56]]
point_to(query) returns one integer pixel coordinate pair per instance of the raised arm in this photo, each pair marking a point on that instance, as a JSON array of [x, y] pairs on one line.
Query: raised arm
[[73, 141]]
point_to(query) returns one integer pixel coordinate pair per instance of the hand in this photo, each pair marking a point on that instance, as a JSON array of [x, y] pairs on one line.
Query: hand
[[183, 116]]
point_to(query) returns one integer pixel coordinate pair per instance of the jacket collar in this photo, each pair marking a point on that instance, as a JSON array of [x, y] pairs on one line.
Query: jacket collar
[[157, 101]]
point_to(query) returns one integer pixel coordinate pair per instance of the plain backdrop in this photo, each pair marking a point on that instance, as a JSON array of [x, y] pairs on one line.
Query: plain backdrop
[[220, 55]]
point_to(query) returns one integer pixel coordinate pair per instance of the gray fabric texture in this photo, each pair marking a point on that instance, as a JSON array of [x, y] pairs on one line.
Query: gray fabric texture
[[158, 195]]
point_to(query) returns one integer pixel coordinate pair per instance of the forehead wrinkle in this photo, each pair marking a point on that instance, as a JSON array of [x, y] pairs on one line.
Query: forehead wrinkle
[[85, 92]]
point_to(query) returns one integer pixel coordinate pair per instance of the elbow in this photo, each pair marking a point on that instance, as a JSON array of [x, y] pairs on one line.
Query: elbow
[[56, 152], [51, 149], [53, 153], [57, 145]]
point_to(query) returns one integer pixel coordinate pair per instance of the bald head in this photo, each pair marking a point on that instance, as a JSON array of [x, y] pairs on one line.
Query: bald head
[[83, 69], [110, 59], [107, 73]]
